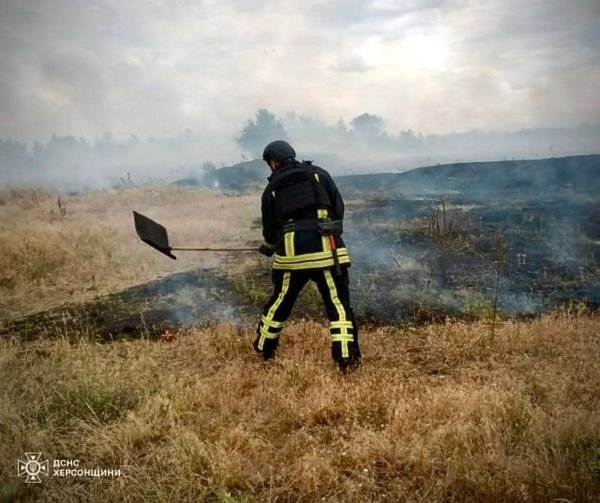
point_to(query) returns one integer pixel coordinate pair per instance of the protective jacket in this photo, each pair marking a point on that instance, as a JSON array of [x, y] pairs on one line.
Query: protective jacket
[[302, 211], [298, 197]]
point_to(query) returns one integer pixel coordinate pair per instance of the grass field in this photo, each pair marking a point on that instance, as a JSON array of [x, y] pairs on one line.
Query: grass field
[[438, 413], [49, 257], [441, 412]]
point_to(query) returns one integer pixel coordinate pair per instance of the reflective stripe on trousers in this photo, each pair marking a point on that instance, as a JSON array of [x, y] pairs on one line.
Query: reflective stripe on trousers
[[335, 294]]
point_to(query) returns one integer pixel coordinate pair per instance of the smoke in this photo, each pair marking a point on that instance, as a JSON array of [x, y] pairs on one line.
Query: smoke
[[363, 145], [67, 163], [514, 252]]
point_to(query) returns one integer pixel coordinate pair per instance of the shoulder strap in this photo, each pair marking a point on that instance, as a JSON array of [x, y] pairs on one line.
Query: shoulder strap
[[281, 177]]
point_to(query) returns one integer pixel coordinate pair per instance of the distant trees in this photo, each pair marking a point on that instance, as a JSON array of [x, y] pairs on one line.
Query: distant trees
[[367, 125], [258, 132], [266, 127], [73, 161]]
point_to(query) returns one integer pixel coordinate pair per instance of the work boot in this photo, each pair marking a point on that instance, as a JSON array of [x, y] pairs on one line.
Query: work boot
[[269, 348], [347, 365]]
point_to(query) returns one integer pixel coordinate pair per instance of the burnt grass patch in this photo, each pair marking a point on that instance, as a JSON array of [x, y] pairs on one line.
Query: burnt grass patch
[[174, 303], [415, 261], [420, 259]]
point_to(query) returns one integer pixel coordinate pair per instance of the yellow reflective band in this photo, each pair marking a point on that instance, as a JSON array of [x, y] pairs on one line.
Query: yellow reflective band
[[269, 317], [268, 335], [309, 257], [342, 338], [343, 331], [272, 323], [290, 250], [334, 295], [340, 324], [325, 244], [322, 213], [345, 351], [280, 297], [317, 264]]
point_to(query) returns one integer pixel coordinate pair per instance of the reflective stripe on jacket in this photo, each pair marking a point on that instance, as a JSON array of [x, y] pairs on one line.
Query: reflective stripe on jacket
[[304, 249]]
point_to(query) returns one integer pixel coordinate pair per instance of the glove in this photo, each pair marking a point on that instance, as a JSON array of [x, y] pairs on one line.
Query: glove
[[266, 249]]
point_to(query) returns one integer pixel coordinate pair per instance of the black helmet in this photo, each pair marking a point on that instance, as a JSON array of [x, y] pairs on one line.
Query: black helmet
[[278, 150]]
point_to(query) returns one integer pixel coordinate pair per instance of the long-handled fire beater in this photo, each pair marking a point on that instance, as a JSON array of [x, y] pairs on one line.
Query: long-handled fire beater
[[154, 234]]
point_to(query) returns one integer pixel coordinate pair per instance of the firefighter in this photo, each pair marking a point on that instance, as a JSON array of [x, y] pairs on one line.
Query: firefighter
[[302, 213]]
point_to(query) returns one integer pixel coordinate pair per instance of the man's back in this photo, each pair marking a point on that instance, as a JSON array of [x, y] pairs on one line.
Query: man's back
[[301, 193]]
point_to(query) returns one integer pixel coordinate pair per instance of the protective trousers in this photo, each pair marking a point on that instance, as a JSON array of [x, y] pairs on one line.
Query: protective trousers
[[335, 294]]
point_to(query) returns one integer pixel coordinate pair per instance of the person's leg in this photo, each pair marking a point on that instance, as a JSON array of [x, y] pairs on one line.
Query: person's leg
[[342, 326], [286, 287]]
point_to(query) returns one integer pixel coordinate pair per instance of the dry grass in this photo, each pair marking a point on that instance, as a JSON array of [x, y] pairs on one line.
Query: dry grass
[[49, 257], [439, 413]]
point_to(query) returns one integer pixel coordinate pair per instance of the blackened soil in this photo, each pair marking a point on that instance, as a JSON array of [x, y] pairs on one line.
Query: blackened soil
[[176, 302]]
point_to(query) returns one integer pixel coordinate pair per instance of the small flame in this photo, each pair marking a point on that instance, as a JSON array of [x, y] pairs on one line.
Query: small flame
[[168, 336]]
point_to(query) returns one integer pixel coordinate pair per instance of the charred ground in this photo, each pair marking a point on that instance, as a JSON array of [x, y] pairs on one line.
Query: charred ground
[[474, 240], [469, 241]]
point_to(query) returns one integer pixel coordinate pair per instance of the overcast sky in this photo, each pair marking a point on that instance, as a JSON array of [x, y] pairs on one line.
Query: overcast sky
[[145, 67]]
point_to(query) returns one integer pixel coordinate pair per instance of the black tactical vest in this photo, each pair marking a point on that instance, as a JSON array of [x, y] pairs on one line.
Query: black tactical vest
[[298, 193]]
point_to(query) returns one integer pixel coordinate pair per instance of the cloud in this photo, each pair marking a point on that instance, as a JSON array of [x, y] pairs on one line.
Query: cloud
[[346, 13], [157, 68], [350, 64]]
